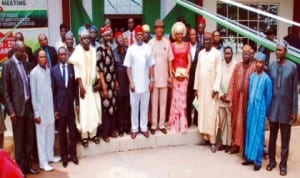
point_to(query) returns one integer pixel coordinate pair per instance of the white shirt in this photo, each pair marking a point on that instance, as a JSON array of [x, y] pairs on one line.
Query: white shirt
[[193, 50], [128, 33], [139, 58], [66, 72]]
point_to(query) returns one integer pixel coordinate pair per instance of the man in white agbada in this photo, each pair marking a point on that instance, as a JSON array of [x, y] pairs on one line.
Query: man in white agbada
[[84, 61], [42, 102], [207, 84]]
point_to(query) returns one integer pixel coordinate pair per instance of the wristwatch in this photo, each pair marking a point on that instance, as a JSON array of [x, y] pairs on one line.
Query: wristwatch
[[151, 79]]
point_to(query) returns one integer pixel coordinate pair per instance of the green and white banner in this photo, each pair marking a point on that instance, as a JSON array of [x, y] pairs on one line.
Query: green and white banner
[[27, 16]]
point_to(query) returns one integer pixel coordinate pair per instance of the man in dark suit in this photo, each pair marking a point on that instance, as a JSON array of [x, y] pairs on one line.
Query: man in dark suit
[[17, 100], [64, 93], [195, 49], [50, 51]]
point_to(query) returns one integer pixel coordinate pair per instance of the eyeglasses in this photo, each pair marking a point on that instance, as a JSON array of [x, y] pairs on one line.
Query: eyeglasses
[[62, 54]]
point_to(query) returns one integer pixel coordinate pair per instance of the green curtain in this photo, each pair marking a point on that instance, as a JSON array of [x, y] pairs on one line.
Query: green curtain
[[79, 16], [98, 13], [151, 12]]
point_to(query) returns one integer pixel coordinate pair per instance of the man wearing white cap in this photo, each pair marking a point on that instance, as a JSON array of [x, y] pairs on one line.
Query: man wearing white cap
[[84, 61], [284, 107], [260, 96]]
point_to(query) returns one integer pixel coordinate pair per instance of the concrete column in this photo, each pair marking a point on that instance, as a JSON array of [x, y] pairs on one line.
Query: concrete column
[[54, 20]]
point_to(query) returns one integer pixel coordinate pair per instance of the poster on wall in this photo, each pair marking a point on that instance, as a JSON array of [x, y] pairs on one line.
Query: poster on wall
[[27, 16]]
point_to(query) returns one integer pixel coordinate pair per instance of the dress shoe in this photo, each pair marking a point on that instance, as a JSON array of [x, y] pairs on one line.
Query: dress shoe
[[96, 140], [32, 171], [75, 160], [227, 149], [270, 166], [121, 133], [146, 134], [133, 135], [283, 171], [152, 131], [85, 142], [247, 162], [114, 134], [163, 130], [256, 167], [47, 168], [106, 139], [221, 147], [213, 148], [234, 150], [65, 162], [204, 142]]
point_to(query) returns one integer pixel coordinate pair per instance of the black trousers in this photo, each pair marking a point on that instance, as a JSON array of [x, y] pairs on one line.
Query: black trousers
[[190, 98], [23, 130], [108, 123], [285, 131], [123, 113], [64, 123]]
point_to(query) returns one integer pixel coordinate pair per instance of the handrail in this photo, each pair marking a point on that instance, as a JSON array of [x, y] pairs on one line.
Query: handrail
[[293, 54], [258, 11]]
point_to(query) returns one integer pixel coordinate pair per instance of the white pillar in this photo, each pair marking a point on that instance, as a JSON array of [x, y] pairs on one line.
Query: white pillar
[[55, 18]]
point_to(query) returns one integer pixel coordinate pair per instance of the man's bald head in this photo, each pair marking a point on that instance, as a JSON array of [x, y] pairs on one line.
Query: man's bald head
[[246, 53], [20, 50], [43, 40]]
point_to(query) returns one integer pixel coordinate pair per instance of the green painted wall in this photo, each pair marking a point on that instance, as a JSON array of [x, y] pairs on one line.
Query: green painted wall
[[151, 12], [178, 11]]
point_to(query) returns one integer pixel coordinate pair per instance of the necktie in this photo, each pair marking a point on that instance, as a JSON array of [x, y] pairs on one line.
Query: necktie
[[131, 38], [25, 80], [48, 58], [64, 73]]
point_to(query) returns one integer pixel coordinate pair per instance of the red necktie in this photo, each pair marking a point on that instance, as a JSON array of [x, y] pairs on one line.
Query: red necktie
[[131, 39]]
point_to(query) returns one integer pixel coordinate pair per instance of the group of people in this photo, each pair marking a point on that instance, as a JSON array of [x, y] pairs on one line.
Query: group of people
[[127, 82]]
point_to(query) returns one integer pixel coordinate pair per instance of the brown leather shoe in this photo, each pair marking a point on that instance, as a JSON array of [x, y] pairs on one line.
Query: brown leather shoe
[[133, 135], [163, 130], [234, 150], [152, 131], [146, 134]]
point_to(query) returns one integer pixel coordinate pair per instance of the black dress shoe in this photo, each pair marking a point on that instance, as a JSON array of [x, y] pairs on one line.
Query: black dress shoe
[[283, 172], [247, 162], [114, 134], [65, 163], [256, 167], [75, 160], [32, 171], [270, 166]]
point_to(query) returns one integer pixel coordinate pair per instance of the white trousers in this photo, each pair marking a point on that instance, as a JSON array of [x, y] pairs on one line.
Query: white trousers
[[225, 125], [139, 102], [158, 98], [45, 143]]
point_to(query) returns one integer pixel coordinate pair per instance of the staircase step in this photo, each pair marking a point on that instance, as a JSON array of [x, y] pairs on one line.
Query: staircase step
[[125, 143]]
